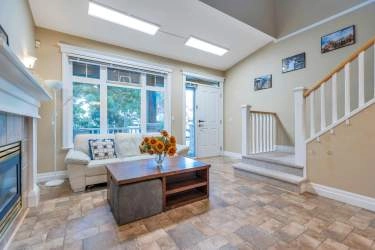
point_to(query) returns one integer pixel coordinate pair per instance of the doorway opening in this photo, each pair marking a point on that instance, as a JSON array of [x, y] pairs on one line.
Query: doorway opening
[[203, 111]]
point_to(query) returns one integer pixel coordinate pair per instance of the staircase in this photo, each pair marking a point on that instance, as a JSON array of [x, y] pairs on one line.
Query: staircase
[[260, 157], [313, 118]]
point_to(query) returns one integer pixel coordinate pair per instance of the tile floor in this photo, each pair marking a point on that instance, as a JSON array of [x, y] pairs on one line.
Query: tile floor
[[240, 214]]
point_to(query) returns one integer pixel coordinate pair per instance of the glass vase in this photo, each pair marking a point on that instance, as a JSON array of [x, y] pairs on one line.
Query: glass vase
[[159, 158]]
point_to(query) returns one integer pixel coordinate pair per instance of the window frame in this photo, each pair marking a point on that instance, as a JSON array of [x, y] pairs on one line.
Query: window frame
[[68, 78]]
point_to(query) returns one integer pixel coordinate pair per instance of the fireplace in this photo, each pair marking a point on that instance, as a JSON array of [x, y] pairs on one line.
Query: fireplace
[[10, 184]]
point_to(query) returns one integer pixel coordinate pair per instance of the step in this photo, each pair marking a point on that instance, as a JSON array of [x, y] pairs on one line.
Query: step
[[278, 161], [283, 180]]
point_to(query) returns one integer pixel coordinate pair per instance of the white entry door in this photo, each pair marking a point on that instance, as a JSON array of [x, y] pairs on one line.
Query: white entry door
[[208, 108]]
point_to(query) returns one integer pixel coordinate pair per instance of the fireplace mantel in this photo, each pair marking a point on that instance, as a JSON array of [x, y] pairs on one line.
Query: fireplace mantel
[[20, 91]]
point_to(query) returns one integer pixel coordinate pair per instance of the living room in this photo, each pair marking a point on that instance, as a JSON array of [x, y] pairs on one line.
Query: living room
[[198, 124]]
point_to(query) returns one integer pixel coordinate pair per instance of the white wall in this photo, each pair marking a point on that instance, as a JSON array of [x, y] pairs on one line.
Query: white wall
[[17, 21]]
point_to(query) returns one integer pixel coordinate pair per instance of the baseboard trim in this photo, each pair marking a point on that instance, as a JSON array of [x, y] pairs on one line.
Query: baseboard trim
[[232, 154], [284, 148], [43, 177], [343, 196]]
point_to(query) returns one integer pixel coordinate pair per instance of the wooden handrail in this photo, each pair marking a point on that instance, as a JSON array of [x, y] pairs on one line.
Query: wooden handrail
[[339, 67], [263, 112]]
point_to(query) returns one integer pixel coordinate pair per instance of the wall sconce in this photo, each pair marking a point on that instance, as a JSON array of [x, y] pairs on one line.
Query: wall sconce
[[29, 61]]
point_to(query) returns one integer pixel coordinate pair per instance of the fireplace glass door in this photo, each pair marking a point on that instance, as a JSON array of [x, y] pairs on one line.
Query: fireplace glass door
[[10, 182]]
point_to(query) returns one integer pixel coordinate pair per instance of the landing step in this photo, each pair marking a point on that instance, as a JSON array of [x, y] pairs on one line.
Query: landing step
[[286, 181], [280, 158], [274, 161], [290, 178]]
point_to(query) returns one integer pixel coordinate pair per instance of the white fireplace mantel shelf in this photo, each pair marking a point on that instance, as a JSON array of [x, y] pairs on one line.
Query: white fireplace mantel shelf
[[20, 92]]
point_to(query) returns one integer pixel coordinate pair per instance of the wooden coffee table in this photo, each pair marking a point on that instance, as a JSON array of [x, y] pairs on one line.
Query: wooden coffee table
[[183, 180]]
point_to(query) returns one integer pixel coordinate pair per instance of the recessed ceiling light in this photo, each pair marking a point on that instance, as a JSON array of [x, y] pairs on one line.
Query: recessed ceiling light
[[114, 16], [205, 46]]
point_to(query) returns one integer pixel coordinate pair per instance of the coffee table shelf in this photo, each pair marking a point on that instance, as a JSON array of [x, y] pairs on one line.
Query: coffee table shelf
[[186, 197], [176, 187]]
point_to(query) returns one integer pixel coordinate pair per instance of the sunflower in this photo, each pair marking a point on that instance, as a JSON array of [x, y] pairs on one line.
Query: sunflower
[[171, 151], [159, 146], [153, 141], [164, 133], [146, 139], [151, 152], [172, 140]]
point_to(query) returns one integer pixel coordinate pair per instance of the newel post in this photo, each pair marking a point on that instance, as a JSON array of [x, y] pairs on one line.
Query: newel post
[[299, 126], [245, 115]]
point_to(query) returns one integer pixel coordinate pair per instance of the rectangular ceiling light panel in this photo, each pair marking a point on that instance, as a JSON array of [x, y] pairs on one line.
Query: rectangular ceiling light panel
[[114, 16], [205, 46]]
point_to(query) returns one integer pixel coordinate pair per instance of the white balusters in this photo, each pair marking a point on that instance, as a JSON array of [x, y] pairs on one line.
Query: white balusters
[[312, 114], [334, 98], [322, 107], [347, 89], [361, 79], [262, 132]]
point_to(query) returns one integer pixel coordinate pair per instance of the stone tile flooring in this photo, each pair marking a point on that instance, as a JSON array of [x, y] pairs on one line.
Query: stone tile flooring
[[241, 214]]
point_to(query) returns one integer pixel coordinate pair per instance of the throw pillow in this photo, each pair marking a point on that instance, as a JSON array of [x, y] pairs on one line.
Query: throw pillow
[[101, 149]]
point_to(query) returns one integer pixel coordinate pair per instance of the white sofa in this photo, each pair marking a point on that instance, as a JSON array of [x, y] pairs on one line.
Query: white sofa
[[82, 171]]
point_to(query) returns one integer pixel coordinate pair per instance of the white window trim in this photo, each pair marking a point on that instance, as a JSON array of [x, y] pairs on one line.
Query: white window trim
[[67, 79]]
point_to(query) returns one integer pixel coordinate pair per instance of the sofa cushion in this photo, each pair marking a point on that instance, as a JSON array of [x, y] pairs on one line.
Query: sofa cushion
[[81, 141], [98, 167], [101, 149], [128, 144]]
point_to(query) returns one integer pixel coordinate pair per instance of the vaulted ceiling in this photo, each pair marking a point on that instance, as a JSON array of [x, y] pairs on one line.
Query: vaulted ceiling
[[242, 26]]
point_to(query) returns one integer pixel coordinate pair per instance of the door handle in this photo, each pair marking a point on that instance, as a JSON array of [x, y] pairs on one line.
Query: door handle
[[201, 121]]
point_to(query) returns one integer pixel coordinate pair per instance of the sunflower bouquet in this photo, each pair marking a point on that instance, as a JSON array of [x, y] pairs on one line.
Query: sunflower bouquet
[[160, 146]]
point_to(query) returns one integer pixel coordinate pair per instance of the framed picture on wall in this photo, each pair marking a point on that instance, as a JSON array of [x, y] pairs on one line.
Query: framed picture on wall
[[295, 62], [337, 39], [4, 36], [263, 82]]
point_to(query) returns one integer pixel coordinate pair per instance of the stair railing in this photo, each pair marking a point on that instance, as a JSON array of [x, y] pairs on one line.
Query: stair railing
[[258, 131], [306, 115]]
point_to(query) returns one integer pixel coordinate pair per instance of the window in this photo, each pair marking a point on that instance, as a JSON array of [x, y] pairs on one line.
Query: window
[[124, 110], [86, 70], [155, 111], [153, 80], [86, 108], [118, 75], [109, 98]]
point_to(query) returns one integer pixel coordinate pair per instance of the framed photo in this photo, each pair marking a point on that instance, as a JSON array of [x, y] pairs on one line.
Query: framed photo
[[295, 62], [338, 39], [263, 82], [4, 35]]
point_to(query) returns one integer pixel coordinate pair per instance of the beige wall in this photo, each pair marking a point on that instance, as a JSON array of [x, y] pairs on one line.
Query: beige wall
[[292, 15], [49, 67], [345, 159], [238, 87], [17, 21]]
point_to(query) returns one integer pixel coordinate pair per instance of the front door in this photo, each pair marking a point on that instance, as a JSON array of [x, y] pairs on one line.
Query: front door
[[208, 108]]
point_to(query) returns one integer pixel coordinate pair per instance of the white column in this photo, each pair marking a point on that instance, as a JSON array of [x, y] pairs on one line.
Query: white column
[[347, 89], [322, 107], [245, 113], [334, 98], [299, 127], [32, 187], [361, 79], [253, 134]]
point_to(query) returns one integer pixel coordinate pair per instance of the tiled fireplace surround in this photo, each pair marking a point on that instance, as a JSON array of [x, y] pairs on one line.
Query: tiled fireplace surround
[[15, 128]]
